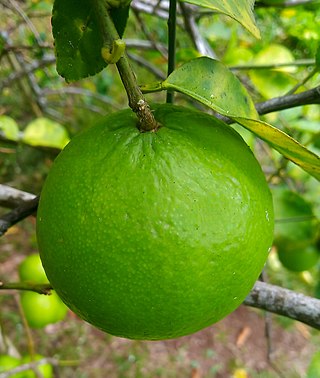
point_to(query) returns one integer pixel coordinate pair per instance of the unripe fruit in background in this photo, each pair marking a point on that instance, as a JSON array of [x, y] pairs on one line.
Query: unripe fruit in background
[[39, 310], [296, 230]]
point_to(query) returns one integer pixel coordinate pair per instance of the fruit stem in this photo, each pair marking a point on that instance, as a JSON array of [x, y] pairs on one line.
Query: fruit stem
[[136, 100], [38, 288]]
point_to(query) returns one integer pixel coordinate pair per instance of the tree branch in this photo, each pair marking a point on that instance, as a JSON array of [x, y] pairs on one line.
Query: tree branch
[[19, 213], [11, 197], [27, 69], [285, 302], [199, 42], [309, 97]]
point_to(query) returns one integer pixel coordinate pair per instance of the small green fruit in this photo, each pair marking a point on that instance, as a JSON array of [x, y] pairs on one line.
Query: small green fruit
[[31, 270], [45, 369], [296, 259], [7, 363], [296, 230], [41, 310]]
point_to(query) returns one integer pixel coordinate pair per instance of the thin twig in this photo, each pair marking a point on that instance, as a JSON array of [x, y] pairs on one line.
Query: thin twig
[[309, 97], [81, 92], [155, 44], [295, 63], [27, 286], [15, 6], [303, 82], [172, 21], [192, 29], [27, 69], [150, 67], [19, 213]]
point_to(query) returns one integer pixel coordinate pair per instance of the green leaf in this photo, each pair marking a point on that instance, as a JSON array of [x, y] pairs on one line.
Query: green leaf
[[239, 10], [120, 18], [9, 128], [220, 90], [46, 133], [215, 86], [78, 40]]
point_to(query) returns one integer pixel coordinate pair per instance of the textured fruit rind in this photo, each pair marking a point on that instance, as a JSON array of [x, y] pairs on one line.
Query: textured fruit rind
[[155, 235]]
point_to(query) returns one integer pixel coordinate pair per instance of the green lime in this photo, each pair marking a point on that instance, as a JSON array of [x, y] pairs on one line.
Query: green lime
[[41, 310], [294, 218], [296, 259], [45, 369], [314, 367], [9, 362], [155, 235], [31, 270], [296, 230]]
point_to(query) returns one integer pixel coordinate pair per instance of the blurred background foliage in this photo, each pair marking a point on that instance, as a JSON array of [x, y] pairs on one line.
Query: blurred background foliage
[[40, 112]]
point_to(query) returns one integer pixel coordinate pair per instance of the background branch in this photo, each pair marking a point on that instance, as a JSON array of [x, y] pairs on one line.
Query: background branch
[[19, 213], [11, 197], [309, 97]]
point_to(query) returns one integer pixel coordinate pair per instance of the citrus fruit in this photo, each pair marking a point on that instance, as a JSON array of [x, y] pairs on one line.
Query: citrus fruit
[[31, 269], [45, 369], [296, 259], [314, 366], [41, 310], [296, 230], [155, 235], [9, 362]]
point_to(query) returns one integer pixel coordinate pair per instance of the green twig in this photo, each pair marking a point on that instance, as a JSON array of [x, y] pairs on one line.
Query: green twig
[[172, 21], [27, 286], [305, 80], [296, 63], [136, 99]]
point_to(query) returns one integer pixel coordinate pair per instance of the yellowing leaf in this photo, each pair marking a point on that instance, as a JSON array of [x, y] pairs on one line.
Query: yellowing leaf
[[239, 10], [46, 133], [218, 88], [9, 128]]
